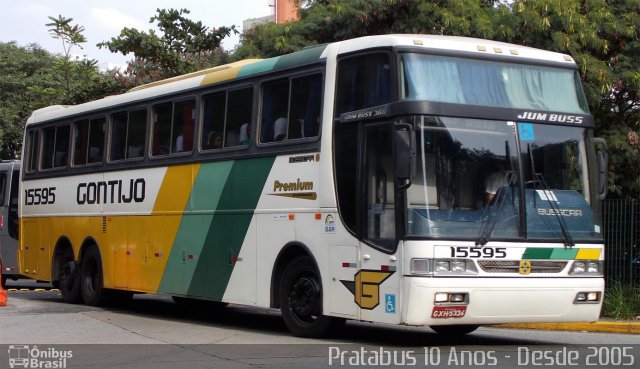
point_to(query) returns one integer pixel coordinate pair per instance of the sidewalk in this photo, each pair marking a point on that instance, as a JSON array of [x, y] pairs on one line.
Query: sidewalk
[[628, 327]]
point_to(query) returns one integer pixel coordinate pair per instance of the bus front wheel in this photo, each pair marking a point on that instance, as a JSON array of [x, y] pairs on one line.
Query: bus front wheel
[[301, 300]]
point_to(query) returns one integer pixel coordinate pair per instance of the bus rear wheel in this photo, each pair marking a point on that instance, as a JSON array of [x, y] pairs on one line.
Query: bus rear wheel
[[454, 330], [91, 280], [301, 300], [69, 282]]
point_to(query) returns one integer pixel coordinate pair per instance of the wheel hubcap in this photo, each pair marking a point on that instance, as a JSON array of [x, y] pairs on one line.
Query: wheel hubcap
[[304, 297]]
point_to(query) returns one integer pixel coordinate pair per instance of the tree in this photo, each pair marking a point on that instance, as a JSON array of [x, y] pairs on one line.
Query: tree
[[32, 78], [182, 46], [601, 35], [70, 35], [28, 82]]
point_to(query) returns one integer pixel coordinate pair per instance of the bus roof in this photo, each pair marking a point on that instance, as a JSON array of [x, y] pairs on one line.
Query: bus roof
[[310, 55]]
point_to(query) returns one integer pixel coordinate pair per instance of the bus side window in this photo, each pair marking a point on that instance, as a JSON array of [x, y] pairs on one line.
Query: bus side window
[[33, 143], [128, 133], [55, 147], [306, 99], [96, 140], [213, 120], [239, 103], [118, 136], [363, 81], [136, 133], [184, 117], [291, 108], [275, 100], [89, 141], [161, 141]]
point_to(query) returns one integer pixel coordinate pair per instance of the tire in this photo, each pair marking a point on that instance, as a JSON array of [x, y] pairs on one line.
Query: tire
[[91, 281], [301, 301], [69, 279], [454, 330]]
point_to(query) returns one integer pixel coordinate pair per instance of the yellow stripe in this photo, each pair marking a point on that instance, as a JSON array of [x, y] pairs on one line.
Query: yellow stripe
[[227, 73], [176, 188], [588, 254]]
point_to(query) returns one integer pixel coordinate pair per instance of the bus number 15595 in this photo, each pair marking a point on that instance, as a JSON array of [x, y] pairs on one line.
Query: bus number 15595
[[476, 252], [40, 196]]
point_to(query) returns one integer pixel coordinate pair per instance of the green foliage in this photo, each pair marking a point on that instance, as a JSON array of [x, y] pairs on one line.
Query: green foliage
[[27, 82], [70, 35], [31, 80], [61, 28], [621, 302], [601, 35], [182, 46]]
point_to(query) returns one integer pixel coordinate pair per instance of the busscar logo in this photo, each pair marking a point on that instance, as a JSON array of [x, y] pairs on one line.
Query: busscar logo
[[365, 287], [24, 356], [524, 267]]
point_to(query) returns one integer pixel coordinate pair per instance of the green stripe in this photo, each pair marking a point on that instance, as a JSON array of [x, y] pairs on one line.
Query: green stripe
[[550, 253], [257, 67], [205, 195], [229, 226], [564, 254], [537, 253], [303, 57]]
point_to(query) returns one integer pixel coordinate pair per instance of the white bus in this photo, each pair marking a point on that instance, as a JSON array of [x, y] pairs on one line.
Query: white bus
[[404, 179]]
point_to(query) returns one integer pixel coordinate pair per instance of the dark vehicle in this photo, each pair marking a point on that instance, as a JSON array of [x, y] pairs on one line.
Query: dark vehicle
[[9, 185]]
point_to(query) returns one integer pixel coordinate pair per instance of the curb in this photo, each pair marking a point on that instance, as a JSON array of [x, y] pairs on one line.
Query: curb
[[603, 326]]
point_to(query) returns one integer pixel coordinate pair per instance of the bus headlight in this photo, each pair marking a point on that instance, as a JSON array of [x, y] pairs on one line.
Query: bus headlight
[[443, 267], [586, 267], [587, 298], [454, 266]]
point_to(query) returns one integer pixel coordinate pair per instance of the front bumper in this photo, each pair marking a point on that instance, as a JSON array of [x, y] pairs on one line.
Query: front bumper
[[503, 300]]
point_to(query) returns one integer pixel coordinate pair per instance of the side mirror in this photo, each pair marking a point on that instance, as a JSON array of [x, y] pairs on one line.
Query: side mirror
[[602, 158], [404, 141]]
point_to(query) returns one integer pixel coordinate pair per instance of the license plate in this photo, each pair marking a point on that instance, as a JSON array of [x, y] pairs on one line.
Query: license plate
[[446, 312]]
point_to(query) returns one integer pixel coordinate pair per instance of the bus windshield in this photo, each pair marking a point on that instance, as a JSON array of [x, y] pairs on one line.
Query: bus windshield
[[468, 183], [489, 83]]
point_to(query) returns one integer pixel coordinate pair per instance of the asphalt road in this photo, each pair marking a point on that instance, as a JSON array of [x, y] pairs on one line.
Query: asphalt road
[[154, 332]]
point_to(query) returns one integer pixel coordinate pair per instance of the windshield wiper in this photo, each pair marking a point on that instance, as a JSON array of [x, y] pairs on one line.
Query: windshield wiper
[[495, 207], [539, 178]]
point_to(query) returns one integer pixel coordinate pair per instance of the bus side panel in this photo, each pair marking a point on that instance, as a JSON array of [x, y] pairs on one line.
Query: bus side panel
[[35, 248], [285, 215], [192, 233], [151, 237], [211, 239]]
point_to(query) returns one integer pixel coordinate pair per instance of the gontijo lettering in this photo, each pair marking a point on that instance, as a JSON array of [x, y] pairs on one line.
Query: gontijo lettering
[[111, 192]]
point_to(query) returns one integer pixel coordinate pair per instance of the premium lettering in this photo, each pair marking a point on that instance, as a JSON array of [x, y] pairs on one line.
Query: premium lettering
[[292, 186]]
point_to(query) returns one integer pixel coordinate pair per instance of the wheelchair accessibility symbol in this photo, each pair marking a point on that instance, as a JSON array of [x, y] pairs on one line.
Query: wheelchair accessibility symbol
[[390, 304]]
